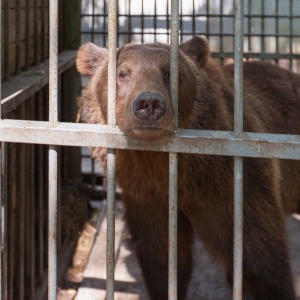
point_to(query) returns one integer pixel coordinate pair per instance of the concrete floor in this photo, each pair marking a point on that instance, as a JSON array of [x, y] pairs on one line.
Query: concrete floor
[[208, 282]]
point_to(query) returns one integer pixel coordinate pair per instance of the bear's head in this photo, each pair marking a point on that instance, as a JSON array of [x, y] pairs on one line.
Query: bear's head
[[144, 106]]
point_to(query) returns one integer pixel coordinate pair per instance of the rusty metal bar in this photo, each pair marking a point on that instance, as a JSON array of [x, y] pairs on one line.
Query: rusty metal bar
[[53, 155], [173, 213], [238, 161], [173, 157], [111, 153], [226, 143]]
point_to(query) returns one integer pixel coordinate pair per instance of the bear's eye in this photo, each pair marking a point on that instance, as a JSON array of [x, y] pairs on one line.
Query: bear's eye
[[123, 75], [166, 75]]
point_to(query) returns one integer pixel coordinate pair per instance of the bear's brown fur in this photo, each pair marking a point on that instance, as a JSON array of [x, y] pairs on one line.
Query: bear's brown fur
[[205, 184]]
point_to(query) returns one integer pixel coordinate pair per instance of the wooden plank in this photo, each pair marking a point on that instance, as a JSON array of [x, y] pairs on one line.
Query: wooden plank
[[21, 87]]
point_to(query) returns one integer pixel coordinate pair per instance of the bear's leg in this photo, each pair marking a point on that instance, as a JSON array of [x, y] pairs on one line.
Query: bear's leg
[[267, 271], [148, 225]]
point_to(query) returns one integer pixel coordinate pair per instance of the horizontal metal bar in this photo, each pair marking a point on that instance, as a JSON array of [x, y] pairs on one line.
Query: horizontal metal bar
[[211, 15], [189, 33], [21, 87], [183, 141], [258, 55]]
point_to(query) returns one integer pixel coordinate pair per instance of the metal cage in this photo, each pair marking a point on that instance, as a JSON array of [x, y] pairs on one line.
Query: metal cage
[[229, 32]]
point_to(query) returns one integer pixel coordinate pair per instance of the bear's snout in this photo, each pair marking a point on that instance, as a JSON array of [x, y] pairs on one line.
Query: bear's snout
[[149, 106]]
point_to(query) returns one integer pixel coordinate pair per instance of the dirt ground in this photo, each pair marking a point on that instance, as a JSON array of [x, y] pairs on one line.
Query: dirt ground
[[208, 281]]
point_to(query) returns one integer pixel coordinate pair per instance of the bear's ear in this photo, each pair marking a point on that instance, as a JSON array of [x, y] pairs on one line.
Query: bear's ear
[[89, 57], [197, 49]]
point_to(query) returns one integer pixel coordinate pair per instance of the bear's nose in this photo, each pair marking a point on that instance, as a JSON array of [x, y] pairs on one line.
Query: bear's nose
[[149, 106]]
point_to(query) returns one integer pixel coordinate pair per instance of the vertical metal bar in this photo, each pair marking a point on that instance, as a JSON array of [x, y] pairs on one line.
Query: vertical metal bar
[[36, 33], [31, 204], [2, 224], [104, 23], [174, 56], [173, 157], [13, 196], [1, 216], [168, 22], [112, 64], [238, 63], [52, 233], [41, 194], [221, 30], [277, 28], [42, 40], [53, 156], [207, 19], [3, 220], [111, 153], [238, 161], [129, 21], [0, 92], [155, 21], [18, 37], [173, 212], [27, 34], [143, 22], [263, 46], [6, 40], [53, 61], [93, 21], [249, 26], [194, 19], [291, 34], [181, 20], [21, 214]]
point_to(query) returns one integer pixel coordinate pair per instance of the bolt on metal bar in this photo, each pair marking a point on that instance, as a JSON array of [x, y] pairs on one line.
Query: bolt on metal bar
[[111, 153], [173, 157], [53, 155], [238, 161]]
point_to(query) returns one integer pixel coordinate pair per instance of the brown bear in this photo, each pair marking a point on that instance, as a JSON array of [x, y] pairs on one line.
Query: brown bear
[[205, 185]]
